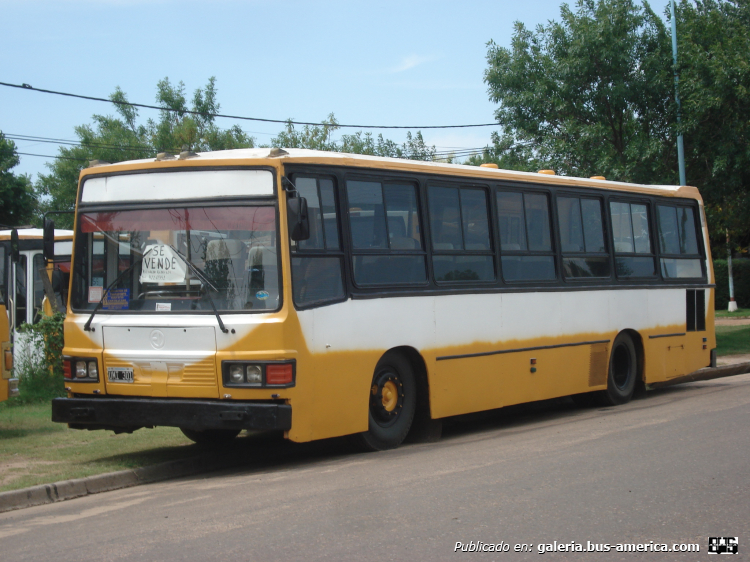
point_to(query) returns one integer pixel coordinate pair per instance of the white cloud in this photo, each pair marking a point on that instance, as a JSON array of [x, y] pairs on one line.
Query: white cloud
[[409, 62]]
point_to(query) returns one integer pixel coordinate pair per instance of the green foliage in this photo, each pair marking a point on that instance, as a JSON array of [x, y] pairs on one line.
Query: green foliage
[[318, 137], [118, 138], [589, 95], [40, 374], [191, 126], [714, 67], [17, 201], [741, 277]]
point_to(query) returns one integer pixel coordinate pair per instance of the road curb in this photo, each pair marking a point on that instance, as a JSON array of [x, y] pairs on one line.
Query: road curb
[[76, 488], [705, 374]]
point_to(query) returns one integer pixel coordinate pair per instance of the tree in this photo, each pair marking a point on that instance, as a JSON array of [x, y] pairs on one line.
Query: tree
[[714, 87], [183, 126], [589, 95], [17, 201], [319, 137], [114, 139]]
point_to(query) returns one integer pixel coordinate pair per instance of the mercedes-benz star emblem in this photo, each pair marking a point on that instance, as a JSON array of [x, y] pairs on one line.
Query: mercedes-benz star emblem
[[157, 339]]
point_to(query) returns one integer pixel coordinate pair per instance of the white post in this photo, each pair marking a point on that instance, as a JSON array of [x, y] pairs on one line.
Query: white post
[[732, 303]]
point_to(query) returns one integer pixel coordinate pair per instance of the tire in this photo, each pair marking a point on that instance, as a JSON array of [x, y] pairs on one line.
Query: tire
[[623, 371], [393, 398], [210, 437]]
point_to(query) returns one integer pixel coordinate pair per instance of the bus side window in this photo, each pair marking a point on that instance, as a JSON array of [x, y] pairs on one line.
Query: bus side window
[[3, 293], [386, 239], [317, 272], [634, 256], [582, 238], [678, 242], [525, 239], [38, 264], [459, 222]]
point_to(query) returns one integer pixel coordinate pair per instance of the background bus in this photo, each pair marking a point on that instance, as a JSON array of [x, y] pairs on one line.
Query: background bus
[[24, 304], [330, 294], [8, 384]]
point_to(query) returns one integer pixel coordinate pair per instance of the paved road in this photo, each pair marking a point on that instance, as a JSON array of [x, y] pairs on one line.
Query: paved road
[[671, 468]]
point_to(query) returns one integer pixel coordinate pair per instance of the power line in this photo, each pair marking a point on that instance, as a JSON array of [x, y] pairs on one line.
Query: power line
[[57, 157], [444, 152], [283, 121], [77, 143]]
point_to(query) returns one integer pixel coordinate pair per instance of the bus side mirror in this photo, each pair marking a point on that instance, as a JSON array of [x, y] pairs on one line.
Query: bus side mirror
[[299, 222], [15, 253], [49, 241]]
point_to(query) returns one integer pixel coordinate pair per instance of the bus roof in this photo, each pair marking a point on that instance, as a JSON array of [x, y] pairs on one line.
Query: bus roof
[[262, 156], [36, 234]]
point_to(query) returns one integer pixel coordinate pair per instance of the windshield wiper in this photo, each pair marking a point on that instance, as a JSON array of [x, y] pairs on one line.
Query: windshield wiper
[[87, 326], [204, 279]]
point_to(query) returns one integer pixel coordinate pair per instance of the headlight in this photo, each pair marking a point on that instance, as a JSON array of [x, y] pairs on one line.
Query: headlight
[[81, 370], [93, 371], [235, 374], [254, 374]]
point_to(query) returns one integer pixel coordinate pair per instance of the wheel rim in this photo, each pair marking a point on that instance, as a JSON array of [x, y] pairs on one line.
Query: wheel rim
[[621, 366], [386, 397]]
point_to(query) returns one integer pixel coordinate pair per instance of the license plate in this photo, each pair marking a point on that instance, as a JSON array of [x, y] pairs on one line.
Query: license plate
[[120, 374]]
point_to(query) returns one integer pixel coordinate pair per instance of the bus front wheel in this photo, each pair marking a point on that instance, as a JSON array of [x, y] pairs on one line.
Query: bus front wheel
[[210, 437], [393, 398], [623, 371]]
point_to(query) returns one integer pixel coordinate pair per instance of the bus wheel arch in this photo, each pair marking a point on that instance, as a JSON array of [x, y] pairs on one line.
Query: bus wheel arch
[[393, 395], [424, 429]]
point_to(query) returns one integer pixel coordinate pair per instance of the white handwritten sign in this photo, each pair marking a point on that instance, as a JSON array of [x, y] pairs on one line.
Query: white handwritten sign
[[162, 265]]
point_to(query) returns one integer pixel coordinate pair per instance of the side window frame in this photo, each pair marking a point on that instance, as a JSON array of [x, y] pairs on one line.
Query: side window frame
[[551, 222], [312, 259], [387, 250], [606, 253], [463, 251], [652, 254], [699, 241]]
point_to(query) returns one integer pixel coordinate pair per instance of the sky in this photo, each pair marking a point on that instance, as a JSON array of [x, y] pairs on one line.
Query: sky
[[407, 62]]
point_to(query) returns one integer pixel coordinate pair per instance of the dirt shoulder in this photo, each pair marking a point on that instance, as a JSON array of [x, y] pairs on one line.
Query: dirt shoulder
[[732, 321]]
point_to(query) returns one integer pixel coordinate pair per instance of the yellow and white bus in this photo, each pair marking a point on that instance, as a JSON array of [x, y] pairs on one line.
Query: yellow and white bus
[[22, 280], [8, 384], [329, 294]]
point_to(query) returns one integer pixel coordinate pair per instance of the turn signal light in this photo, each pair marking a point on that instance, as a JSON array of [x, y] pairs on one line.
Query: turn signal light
[[279, 374]]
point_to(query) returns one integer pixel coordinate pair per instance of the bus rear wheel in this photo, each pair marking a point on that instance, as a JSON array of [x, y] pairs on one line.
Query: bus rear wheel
[[393, 394], [210, 437], [623, 371]]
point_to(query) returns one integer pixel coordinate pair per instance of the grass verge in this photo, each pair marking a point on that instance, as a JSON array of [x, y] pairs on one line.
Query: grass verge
[[732, 340], [34, 450], [739, 313]]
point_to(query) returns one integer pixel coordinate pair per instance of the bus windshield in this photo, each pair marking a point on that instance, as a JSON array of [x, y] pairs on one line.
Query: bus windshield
[[143, 255]]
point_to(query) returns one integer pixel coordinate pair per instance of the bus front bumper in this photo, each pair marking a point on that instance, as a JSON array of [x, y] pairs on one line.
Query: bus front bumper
[[129, 414]]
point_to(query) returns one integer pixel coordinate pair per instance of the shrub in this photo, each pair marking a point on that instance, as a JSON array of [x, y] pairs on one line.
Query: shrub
[[40, 375], [741, 276]]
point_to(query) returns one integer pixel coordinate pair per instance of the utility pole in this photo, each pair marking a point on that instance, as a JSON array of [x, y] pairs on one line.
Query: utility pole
[[680, 144]]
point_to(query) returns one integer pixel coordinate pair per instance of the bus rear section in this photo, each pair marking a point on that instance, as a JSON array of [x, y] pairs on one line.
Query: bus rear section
[[8, 384]]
